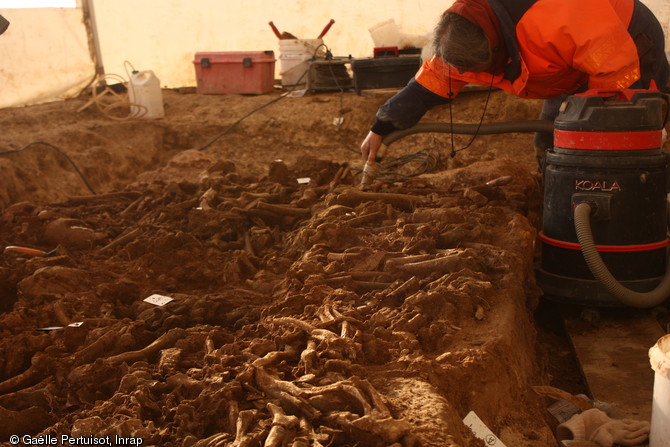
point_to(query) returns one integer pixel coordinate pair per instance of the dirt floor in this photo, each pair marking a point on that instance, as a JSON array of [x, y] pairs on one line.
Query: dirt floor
[[303, 312]]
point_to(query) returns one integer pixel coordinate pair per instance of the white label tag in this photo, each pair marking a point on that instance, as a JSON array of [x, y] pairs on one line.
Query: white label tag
[[481, 430], [158, 300]]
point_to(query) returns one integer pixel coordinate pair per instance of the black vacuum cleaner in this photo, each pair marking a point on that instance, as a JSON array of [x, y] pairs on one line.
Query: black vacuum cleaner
[[605, 223]]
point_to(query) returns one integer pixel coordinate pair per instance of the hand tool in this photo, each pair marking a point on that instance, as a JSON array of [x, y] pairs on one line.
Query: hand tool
[[326, 28], [275, 30]]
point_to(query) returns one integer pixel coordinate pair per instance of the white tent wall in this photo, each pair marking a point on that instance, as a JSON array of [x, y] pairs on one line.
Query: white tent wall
[[163, 36], [44, 54]]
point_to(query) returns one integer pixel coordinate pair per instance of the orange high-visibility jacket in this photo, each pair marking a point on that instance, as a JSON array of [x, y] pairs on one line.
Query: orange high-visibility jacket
[[543, 48]]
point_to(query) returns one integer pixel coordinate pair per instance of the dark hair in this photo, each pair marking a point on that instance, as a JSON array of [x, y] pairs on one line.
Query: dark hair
[[461, 43]]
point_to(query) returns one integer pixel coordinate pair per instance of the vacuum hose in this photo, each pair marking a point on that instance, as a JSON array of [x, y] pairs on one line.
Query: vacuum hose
[[601, 273], [522, 126]]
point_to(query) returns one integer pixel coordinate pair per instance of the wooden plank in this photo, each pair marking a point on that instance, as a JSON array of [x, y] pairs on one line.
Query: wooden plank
[[613, 354]]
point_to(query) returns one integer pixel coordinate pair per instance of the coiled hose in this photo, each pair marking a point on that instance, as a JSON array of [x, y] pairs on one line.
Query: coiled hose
[[600, 271], [522, 126]]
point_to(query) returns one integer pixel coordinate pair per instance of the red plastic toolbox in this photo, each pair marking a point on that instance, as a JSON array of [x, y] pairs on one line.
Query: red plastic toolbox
[[245, 72]]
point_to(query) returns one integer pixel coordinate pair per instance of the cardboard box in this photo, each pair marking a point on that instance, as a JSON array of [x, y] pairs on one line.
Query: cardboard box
[[230, 72], [384, 72]]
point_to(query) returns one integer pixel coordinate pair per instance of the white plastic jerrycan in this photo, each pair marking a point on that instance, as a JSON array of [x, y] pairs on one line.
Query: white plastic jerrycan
[[145, 96]]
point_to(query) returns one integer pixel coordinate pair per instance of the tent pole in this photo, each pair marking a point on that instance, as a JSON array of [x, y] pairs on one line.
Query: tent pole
[[93, 40]]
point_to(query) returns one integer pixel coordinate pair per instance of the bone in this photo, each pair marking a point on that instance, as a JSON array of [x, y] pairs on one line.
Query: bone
[[282, 426], [284, 210], [245, 419], [309, 358], [286, 392], [442, 264], [27, 378], [166, 340], [353, 197]]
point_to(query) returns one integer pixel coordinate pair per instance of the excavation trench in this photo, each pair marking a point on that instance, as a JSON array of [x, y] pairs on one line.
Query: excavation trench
[[302, 312]]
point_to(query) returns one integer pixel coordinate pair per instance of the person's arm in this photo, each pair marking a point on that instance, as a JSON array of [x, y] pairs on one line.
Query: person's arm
[[406, 108], [401, 111]]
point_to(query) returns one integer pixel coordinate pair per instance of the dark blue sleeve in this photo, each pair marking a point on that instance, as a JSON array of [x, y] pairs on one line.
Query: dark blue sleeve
[[405, 108]]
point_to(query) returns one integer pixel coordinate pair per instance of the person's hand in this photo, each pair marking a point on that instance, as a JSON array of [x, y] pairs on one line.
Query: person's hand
[[370, 146]]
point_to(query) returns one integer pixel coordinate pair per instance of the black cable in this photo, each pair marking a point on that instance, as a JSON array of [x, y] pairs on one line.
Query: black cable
[[60, 151], [339, 124], [229, 128], [450, 94], [427, 160], [451, 116]]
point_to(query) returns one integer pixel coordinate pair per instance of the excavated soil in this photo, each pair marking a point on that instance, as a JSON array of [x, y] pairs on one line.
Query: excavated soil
[[304, 312]]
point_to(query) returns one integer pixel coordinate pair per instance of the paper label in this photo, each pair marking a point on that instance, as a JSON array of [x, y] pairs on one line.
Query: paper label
[[481, 430], [158, 300]]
